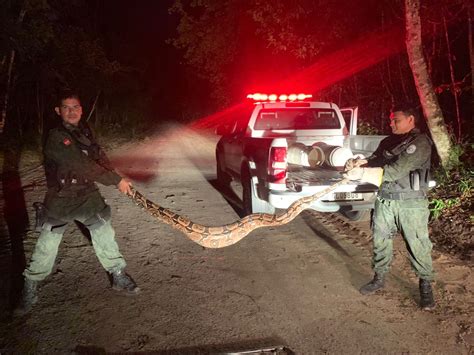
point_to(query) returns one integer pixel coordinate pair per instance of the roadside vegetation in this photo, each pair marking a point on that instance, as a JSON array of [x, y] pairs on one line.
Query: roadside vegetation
[[451, 205]]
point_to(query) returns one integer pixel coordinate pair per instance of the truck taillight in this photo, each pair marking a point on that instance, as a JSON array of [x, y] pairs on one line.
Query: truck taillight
[[278, 154], [277, 164]]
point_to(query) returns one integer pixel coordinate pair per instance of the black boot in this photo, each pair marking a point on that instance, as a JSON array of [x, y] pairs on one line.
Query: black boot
[[121, 281], [377, 283], [28, 297], [427, 302]]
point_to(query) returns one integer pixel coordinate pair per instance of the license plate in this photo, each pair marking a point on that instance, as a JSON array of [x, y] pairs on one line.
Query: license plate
[[345, 196]]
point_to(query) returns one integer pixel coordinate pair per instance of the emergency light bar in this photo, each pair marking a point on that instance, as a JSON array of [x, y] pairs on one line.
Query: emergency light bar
[[275, 97]]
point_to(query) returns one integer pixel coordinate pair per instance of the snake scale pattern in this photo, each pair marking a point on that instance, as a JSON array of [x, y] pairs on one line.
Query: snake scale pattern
[[229, 234]]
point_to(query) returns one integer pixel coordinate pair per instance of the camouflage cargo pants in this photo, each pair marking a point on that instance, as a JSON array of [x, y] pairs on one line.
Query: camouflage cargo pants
[[410, 217], [46, 249]]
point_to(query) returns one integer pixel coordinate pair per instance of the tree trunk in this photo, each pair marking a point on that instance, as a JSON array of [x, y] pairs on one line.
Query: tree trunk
[[471, 56], [454, 90], [21, 16], [402, 80], [424, 86], [93, 106], [39, 110], [7, 91]]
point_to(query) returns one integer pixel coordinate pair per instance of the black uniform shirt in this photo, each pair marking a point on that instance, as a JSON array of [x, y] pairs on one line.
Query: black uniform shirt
[[74, 201], [399, 155]]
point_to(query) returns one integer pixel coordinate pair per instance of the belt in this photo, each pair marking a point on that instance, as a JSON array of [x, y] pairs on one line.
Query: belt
[[74, 181], [77, 193], [408, 195]]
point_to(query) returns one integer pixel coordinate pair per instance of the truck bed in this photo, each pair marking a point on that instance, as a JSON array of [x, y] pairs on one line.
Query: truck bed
[[299, 177]]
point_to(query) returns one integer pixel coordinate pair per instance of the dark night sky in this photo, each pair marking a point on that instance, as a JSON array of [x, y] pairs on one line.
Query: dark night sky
[[138, 35]]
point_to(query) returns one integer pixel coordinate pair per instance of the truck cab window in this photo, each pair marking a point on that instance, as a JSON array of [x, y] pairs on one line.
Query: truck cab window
[[301, 118]]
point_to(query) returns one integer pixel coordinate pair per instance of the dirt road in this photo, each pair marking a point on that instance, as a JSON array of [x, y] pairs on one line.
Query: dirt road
[[294, 285]]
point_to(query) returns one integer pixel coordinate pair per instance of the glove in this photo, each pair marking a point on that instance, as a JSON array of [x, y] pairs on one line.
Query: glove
[[372, 176], [354, 163], [356, 173], [349, 164]]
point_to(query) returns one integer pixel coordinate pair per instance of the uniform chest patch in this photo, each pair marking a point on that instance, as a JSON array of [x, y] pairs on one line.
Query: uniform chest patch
[[411, 149], [67, 141]]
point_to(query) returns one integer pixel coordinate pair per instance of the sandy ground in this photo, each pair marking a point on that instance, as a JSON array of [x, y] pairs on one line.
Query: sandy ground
[[294, 286]]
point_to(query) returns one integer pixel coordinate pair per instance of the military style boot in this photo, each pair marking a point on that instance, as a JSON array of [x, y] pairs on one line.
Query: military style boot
[[427, 302], [377, 283], [121, 281], [28, 298]]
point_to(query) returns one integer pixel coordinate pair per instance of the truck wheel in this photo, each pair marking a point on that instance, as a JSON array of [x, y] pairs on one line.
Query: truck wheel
[[251, 203], [357, 215], [222, 177]]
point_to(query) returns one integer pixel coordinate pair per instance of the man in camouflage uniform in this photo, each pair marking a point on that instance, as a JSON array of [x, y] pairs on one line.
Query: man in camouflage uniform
[[73, 163], [401, 204]]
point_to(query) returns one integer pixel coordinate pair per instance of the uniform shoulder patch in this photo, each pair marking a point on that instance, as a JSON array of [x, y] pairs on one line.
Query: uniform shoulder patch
[[411, 149], [57, 136]]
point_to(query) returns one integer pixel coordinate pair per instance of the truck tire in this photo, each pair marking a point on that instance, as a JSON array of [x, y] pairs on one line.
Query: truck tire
[[223, 179], [363, 215], [251, 203]]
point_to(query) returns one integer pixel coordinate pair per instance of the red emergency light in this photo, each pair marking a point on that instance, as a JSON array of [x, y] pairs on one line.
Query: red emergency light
[[282, 97]]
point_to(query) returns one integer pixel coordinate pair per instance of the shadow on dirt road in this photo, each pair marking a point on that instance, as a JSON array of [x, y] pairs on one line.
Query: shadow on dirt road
[[12, 234]]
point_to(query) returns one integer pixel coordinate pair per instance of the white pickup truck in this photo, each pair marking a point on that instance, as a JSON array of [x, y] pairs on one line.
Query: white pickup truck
[[255, 150]]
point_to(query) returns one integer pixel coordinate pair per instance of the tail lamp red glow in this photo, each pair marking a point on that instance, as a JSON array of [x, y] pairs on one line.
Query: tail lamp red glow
[[282, 97], [277, 164]]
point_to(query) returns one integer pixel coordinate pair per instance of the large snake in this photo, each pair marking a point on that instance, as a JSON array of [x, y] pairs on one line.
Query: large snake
[[223, 236]]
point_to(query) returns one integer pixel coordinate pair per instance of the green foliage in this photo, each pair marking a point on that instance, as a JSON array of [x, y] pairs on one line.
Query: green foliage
[[300, 28], [57, 46], [281, 27], [466, 184], [459, 163], [208, 35], [367, 129], [454, 162], [437, 206], [234, 44], [455, 186]]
